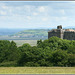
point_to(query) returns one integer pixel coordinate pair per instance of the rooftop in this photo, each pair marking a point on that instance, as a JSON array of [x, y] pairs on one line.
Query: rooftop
[[70, 30]]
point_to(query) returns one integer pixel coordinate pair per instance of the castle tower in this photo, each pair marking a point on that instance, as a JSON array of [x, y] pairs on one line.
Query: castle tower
[[59, 32], [59, 27]]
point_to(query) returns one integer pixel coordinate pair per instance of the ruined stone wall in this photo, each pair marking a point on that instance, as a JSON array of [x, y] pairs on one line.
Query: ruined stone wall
[[50, 34], [69, 35], [59, 33]]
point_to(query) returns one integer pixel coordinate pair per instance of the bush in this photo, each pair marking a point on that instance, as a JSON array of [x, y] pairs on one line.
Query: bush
[[8, 64], [32, 64]]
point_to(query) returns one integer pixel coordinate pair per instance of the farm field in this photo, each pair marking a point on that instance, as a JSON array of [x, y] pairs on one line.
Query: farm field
[[37, 70], [21, 42]]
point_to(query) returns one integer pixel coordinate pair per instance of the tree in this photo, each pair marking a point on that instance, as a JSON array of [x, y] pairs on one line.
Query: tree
[[4, 46], [25, 57], [39, 43], [59, 58], [71, 49], [71, 60], [13, 52], [65, 44], [24, 47]]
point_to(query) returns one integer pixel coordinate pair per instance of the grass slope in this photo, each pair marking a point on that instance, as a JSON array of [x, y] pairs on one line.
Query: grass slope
[[37, 70], [33, 34]]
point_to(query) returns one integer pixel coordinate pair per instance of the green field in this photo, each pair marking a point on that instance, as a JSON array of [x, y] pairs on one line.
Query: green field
[[37, 70], [21, 42]]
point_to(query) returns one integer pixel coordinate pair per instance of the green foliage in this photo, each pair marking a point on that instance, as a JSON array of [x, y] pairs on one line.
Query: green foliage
[[4, 46], [8, 64], [71, 60], [71, 49], [32, 64], [13, 52], [24, 47], [59, 58], [59, 50], [8, 52], [51, 52]]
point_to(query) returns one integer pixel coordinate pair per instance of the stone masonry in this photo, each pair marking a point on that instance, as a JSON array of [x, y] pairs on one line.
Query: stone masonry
[[68, 34]]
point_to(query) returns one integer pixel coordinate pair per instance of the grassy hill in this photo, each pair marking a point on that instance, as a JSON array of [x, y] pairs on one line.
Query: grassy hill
[[32, 34]]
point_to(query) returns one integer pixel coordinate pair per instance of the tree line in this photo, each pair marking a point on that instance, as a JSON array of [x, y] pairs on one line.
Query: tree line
[[51, 52]]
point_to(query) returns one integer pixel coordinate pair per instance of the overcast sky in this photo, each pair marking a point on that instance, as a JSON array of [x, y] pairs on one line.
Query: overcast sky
[[36, 14]]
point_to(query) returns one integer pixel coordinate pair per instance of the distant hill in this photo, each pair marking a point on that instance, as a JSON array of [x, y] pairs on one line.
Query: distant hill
[[32, 34]]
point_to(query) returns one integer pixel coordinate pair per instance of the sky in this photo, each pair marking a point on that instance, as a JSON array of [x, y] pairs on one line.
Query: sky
[[36, 14]]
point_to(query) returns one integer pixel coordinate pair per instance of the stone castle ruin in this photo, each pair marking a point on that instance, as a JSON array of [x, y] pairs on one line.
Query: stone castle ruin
[[68, 34]]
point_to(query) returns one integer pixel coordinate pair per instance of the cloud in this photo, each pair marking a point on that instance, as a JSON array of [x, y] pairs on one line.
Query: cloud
[[60, 19], [2, 12], [44, 19], [35, 13], [64, 18], [40, 14], [5, 10], [29, 17], [41, 8], [18, 8], [5, 7], [1, 4], [29, 8], [62, 11]]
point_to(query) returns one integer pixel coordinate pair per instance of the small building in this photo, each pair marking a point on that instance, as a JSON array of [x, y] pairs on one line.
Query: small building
[[68, 34]]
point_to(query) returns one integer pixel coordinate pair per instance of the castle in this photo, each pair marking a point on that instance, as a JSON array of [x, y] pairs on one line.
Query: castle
[[68, 34]]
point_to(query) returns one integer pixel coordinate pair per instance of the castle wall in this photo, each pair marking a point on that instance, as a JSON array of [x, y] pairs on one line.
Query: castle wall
[[50, 34], [59, 33], [69, 35]]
